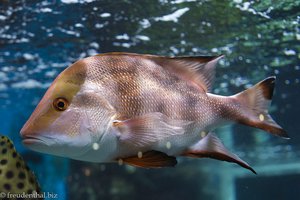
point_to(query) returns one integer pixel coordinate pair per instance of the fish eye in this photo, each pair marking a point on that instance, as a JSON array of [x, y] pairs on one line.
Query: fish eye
[[60, 104]]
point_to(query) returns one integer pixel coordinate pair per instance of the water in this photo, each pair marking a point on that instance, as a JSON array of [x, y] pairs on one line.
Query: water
[[38, 39]]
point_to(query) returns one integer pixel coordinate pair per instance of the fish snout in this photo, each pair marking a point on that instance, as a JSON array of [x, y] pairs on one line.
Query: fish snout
[[29, 137], [33, 127], [28, 131]]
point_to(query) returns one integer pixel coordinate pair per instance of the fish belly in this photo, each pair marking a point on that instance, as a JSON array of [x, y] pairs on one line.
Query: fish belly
[[177, 144]]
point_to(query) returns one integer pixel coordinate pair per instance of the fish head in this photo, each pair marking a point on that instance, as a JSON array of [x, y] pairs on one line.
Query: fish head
[[69, 116]]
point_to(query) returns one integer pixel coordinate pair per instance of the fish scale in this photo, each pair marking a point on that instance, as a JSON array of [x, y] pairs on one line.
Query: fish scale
[[143, 110], [147, 98]]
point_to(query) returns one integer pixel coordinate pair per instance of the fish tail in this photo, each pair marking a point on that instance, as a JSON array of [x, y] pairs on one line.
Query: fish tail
[[254, 107]]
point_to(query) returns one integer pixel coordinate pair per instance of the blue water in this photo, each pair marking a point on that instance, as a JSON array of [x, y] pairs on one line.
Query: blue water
[[38, 39]]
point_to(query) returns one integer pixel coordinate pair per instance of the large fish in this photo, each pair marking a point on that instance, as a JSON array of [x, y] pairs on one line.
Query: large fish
[[143, 110]]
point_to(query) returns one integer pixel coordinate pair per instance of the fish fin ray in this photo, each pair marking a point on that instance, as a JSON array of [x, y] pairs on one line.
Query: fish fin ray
[[210, 146], [255, 102], [151, 159], [199, 71], [148, 129]]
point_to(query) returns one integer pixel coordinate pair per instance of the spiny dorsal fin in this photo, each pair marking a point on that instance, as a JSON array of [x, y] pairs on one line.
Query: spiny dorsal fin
[[150, 159], [198, 70]]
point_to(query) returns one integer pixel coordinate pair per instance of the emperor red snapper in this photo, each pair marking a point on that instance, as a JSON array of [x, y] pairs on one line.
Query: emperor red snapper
[[143, 110]]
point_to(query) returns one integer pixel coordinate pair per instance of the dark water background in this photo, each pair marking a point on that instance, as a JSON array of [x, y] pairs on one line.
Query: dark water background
[[38, 39]]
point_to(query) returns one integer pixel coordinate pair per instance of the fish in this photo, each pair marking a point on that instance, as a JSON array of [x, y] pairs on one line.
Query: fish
[[143, 110], [15, 175]]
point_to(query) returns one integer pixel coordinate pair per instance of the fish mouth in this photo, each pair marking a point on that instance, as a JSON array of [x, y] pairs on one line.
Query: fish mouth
[[29, 140]]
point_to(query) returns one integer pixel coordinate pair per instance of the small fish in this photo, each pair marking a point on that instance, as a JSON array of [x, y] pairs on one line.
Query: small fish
[[143, 110], [15, 175]]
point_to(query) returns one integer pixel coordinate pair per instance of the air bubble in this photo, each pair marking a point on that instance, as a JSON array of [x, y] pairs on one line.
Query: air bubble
[[95, 146], [168, 145], [287, 82], [120, 161], [87, 172], [261, 117], [203, 134], [140, 154]]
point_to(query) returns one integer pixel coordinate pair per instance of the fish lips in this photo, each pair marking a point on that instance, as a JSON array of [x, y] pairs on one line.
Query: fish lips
[[39, 144], [29, 139]]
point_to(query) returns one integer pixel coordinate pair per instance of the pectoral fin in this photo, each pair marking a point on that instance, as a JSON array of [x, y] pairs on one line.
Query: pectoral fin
[[145, 130], [210, 146], [150, 159]]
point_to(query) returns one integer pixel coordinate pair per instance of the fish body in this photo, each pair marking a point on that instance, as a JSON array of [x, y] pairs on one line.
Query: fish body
[[15, 175], [142, 110]]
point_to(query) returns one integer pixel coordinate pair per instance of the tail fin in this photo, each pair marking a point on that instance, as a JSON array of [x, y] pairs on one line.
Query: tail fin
[[255, 102]]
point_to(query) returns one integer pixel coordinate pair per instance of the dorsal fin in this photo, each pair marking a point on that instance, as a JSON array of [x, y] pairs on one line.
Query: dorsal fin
[[197, 70]]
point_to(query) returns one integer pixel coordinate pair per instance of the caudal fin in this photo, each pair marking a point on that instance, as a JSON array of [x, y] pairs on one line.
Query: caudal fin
[[254, 107]]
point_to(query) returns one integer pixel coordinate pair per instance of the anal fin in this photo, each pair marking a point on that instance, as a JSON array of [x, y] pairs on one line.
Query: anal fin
[[211, 147], [150, 159]]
